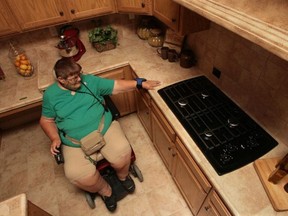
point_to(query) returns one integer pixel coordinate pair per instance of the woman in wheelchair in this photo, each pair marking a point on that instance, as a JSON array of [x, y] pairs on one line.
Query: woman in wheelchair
[[73, 108]]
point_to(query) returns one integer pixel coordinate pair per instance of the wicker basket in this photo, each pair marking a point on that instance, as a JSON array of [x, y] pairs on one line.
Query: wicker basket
[[104, 47]]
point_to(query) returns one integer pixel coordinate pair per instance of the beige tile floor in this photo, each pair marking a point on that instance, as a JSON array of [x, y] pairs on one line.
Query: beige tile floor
[[27, 167]]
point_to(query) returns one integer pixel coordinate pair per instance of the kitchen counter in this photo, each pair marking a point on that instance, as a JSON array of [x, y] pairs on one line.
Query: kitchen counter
[[241, 189], [16, 205]]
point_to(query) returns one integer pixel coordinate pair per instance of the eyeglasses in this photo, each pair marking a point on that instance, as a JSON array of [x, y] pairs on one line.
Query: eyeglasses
[[75, 77]]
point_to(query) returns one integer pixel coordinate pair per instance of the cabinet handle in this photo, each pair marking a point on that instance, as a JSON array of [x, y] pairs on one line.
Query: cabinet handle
[[73, 11], [207, 208], [143, 5], [173, 20], [61, 13]]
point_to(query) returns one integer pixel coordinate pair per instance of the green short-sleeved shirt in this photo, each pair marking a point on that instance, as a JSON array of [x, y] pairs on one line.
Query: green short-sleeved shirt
[[76, 115]]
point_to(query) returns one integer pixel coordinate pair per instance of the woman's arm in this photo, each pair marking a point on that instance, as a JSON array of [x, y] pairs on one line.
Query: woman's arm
[[128, 85]]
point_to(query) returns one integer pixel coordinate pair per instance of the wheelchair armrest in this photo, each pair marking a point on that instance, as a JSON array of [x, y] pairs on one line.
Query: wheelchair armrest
[[112, 107]]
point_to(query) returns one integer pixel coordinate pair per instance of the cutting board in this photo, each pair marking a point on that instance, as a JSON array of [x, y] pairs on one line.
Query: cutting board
[[276, 193]]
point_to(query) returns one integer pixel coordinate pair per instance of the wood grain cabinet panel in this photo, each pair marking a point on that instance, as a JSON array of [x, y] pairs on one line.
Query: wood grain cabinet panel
[[163, 137], [31, 14], [135, 6], [125, 102], [167, 11], [190, 179], [80, 9], [8, 23], [214, 206], [143, 110]]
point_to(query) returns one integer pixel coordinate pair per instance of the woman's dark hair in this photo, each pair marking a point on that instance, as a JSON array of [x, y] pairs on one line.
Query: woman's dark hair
[[66, 67]]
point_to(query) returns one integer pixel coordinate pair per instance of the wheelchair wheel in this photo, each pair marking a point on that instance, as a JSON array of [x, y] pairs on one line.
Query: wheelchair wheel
[[136, 172], [90, 200]]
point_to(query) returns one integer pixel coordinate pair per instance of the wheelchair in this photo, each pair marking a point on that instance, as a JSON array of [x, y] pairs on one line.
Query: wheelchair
[[103, 166]]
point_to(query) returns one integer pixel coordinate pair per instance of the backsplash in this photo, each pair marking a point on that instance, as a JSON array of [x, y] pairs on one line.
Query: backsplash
[[252, 76]]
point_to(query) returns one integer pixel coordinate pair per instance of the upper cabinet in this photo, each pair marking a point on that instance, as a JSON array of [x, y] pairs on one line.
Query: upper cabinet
[[8, 24], [79, 9], [32, 14], [135, 6], [167, 11], [179, 18]]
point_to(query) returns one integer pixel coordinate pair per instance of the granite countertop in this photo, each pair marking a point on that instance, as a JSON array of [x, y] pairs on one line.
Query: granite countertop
[[241, 189]]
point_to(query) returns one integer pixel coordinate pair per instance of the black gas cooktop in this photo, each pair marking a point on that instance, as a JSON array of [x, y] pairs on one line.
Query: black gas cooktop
[[226, 135]]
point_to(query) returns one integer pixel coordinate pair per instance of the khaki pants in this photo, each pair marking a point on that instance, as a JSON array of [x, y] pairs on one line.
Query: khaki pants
[[76, 166]]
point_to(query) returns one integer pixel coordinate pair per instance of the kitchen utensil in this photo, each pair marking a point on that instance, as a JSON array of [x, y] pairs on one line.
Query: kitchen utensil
[[281, 170], [275, 192]]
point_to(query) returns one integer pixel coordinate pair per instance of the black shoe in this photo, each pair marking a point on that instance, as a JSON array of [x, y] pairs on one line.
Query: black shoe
[[128, 184], [110, 202]]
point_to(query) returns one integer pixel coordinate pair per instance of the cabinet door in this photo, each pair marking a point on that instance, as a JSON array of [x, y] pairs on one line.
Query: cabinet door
[[8, 24], [167, 11], [125, 102], [213, 206], [135, 6], [34, 13], [144, 111], [191, 22], [163, 138], [84, 9], [189, 178]]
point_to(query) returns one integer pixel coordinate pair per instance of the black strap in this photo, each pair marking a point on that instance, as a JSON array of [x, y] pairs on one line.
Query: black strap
[[91, 93]]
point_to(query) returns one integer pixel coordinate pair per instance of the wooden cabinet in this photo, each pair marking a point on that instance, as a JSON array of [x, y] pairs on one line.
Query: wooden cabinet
[[179, 18], [32, 14], [125, 102], [80, 9], [8, 23], [34, 210], [135, 6], [213, 206], [19, 116], [190, 179], [163, 137], [191, 22], [167, 11], [143, 103]]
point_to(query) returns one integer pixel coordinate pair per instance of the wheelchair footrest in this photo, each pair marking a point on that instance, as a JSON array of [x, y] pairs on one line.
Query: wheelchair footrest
[[117, 187]]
